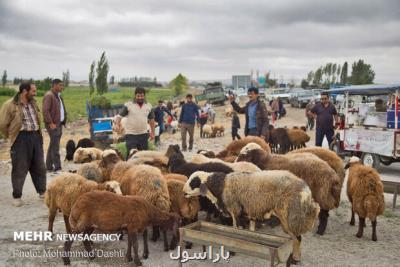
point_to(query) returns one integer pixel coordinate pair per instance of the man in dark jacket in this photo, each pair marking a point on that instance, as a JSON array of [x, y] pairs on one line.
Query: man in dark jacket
[[187, 120], [256, 114], [54, 116], [159, 118]]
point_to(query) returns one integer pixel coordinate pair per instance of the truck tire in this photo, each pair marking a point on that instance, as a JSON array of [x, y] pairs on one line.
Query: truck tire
[[372, 160]]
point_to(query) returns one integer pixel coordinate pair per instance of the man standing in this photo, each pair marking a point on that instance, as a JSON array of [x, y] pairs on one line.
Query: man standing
[[325, 112], [20, 123], [54, 116], [139, 115], [256, 114], [187, 120], [159, 118]]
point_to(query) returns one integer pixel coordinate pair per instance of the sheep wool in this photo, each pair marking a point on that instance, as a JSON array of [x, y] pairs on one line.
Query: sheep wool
[[87, 154], [63, 191], [260, 195], [365, 192]]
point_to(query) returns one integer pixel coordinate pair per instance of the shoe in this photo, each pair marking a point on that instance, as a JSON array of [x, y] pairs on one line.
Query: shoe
[[41, 195], [57, 171], [184, 149], [18, 202]]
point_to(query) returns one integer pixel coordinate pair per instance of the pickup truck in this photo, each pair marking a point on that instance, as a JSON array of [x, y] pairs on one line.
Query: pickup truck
[[281, 93], [213, 95]]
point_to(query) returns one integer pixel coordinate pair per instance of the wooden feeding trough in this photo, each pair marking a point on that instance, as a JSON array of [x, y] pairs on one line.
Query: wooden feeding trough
[[276, 249]]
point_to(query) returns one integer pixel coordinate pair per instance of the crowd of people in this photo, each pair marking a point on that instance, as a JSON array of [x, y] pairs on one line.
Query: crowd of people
[[20, 119]]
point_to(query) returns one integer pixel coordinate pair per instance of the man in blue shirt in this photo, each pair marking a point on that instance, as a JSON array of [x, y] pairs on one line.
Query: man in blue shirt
[[256, 114], [187, 120], [159, 118]]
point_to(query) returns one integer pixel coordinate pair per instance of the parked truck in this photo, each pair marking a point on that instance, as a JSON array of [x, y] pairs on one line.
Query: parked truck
[[214, 95]]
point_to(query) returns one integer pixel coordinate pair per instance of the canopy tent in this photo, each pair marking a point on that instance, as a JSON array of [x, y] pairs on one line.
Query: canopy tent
[[369, 89]]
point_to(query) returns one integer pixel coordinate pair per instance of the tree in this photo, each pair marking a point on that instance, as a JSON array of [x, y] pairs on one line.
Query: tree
[[102, 72], [66, 78], [343, 74], [304, 83], [112, 80], [362, 73], [318, 77], [179, 84], [4, 78], [91, 78], [310, 77]]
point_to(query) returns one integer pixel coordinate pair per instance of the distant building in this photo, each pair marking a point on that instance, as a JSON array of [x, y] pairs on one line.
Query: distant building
[[241, 81]]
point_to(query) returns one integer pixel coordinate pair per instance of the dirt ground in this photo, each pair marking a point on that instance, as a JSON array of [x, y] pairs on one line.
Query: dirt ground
[[338, 247]]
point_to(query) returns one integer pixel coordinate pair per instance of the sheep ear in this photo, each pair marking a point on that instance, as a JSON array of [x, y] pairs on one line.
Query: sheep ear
[[203, 190], [347, 166]]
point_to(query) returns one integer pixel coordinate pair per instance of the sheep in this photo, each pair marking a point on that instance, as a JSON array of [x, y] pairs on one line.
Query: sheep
[[140, 157], [323, 181], [88, 154], [186, 208], [260, 195], [233, 149], [107, 212], [217, 129], [84, 143], [207, 153], [236, 166], [207, 131], [91, 171], [118, 128], [176, 176], [279, 140], [298, 138], [365, 192], [110, 158], [63, 191], [326, 155], [148, 182], [177, 164], [70, 149]]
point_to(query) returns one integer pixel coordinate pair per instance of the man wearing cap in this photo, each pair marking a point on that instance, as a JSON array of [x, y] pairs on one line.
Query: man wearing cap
[[187, 119], [256, 114]]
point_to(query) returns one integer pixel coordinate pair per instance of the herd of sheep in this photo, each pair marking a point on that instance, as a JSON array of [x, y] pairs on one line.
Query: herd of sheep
[[244, 185]]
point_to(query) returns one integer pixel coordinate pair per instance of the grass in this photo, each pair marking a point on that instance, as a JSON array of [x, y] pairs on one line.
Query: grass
[[75, 99]]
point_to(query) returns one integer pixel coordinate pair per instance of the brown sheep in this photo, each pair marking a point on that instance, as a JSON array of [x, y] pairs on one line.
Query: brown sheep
[[186, 208], [365, 192], [326, 155], [176, 176], [148, 182], [298, 138], [233, 149], [106, 212], [217, 130], [63, 191], [279, 140], [321, 178]]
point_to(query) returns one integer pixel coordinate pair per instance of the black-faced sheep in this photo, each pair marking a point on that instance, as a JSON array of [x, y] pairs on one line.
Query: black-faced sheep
[[260, 195], [106, 212], [88, 154], [326, 155], [323, 181], [365, 192], [233, 149], [207, 153], [63, 191]]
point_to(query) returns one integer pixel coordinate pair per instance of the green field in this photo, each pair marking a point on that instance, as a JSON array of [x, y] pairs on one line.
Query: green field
[[75, 99]]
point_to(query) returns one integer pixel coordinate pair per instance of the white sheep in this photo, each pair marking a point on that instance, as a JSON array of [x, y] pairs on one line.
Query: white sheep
[[260, 195], [87, 154]]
